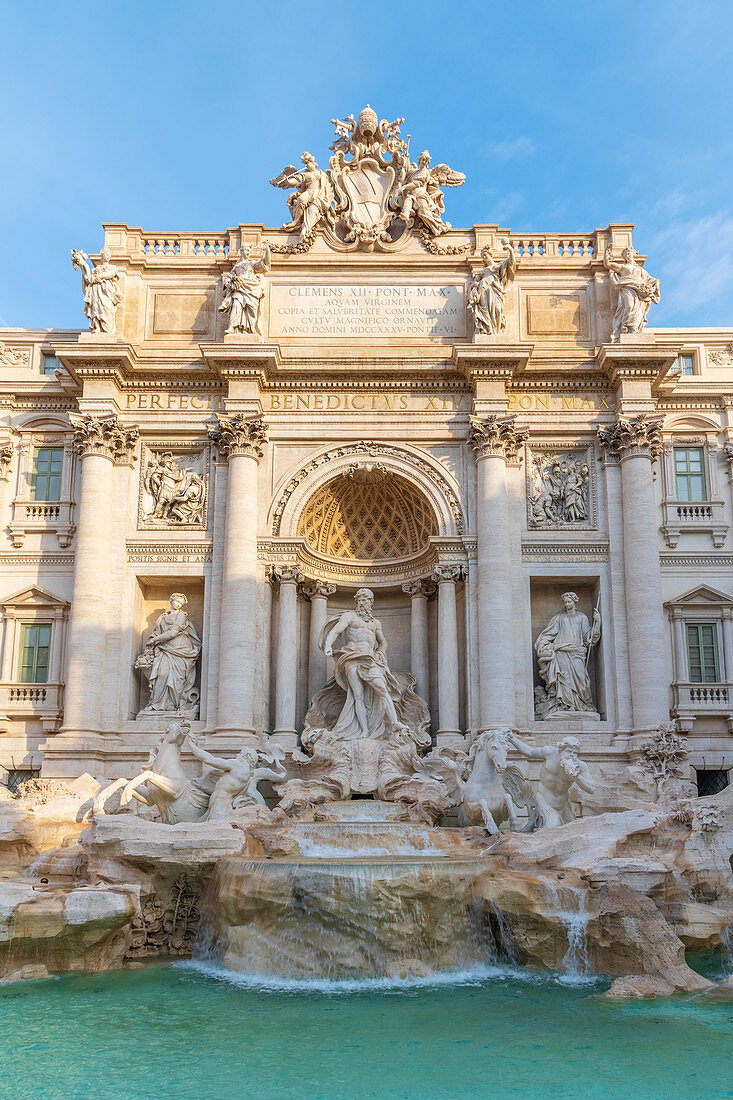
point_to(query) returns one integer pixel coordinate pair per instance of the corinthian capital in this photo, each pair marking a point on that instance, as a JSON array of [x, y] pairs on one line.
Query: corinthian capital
[[103, 435], [285, 574], [311, 589], [496, 435], [447, 572], [637, 435], [239, 435]]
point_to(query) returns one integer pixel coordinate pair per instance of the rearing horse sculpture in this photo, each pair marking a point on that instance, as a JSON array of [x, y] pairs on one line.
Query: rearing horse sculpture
[[163, 783], [487, 784]]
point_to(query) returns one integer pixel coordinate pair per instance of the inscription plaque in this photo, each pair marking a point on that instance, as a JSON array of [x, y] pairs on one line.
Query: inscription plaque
[[368, 310]]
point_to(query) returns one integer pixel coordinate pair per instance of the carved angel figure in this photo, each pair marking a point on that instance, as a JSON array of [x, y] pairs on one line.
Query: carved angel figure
[[487, 290], [244, 289], [101, 286], [311, 200], [420, 195], [636, 292]]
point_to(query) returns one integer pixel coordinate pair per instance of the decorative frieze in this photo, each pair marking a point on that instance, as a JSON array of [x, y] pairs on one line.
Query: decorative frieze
[[14, 357], [141, 553], [561, 490], [537, 552], [636, 435], [496, 435], [103, 435], [239, 435]]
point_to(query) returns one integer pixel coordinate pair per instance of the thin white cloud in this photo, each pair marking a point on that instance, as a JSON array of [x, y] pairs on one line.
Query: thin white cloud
[[521, 146], [694, 260]]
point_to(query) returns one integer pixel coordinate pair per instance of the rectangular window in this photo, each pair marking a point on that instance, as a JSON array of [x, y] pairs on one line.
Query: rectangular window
[[711, 781], [35, 646], [689, 473], [702, 653], [49, 365], [17, 776], [686, 364], [46, 477]]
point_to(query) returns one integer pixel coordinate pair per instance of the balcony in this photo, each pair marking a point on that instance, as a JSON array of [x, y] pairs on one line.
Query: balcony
[[41, 516], [699, 700], [42, 701], [696, 517]]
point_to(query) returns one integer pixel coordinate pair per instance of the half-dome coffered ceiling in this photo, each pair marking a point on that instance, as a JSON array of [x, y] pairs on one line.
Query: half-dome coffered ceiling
[[368, 514]]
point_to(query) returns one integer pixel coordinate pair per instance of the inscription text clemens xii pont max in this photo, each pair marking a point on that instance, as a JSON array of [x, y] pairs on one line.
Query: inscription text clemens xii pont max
[[369, 310]]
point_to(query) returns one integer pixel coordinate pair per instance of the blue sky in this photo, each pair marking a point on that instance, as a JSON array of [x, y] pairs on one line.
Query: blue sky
[[565, 116]]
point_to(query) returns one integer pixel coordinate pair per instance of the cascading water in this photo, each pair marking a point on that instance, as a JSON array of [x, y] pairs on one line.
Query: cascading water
[[363, 897]]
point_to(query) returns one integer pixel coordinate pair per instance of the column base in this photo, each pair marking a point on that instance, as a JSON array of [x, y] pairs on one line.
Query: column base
[[450, 739], [224, 737], [287, 739]]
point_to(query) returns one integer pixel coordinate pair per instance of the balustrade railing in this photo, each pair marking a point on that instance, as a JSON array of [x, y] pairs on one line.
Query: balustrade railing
[[692, 698]]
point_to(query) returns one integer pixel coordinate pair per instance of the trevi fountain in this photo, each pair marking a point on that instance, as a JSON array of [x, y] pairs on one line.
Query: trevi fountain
[[367, 660]]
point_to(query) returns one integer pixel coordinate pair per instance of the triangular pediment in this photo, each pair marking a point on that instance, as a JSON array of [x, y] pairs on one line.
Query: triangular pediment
[[702, 595], [33, 596]]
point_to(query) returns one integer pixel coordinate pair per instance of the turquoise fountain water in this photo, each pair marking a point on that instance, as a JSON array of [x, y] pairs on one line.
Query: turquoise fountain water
[[194, 1034]]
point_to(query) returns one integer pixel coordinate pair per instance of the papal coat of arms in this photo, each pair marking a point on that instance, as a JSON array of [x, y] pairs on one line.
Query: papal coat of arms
[[372, 192]]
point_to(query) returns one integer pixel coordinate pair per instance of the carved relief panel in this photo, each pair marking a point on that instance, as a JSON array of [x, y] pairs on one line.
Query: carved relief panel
[[173, 486], [561, 488]]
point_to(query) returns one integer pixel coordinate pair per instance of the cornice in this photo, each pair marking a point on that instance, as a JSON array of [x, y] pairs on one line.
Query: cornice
[[490, 357]]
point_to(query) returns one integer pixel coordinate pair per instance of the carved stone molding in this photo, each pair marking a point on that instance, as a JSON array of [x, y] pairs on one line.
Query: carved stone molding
[[496, 435], [637, 435], [239, 435], [446, 572], [312, 589], [398, 460], [285, 574], [6, 457], [14, 357], [174, 552], [103, 435], [421, 586], [728, 453], [564, 551]]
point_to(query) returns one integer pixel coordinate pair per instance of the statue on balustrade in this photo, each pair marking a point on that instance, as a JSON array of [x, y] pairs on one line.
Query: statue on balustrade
[[244, 290], [310, 202], [169, 660], [548, 804], [636, 292], [102, 291], [419, 195], [563, 649], [487, 290]]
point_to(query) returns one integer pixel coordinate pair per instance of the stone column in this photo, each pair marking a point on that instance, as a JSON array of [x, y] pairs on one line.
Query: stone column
[[317, 592], [418, 591], [637, 442], [286, 680], [728, 644], [446, 576], [613, 610], [10, 641], [495, 439], [239, 440], [100, 442], [679, 643]]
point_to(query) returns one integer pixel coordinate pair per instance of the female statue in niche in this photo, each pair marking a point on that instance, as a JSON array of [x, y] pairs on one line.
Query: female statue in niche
[[562, 652], [169, 658]]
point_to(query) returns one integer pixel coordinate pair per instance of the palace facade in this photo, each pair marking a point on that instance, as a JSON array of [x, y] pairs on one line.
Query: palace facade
[[468, 422]]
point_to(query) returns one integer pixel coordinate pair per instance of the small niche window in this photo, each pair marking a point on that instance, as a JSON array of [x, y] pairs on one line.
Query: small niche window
[[711, 781], [35, 647], [50, 364], [46, 475], [689, 473], [702, 653], [686, 364], [17, 776]]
